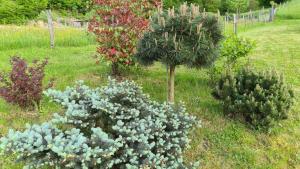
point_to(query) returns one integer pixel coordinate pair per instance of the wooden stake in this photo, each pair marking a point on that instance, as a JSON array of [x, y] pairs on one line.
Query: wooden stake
[[50, 27], [234, 23]]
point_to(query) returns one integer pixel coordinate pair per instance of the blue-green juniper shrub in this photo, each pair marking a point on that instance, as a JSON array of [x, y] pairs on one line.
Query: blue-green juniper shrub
[[116, 126]]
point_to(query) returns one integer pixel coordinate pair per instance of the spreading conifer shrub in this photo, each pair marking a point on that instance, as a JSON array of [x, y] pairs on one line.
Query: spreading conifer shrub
[[262, 98], [116, 126]]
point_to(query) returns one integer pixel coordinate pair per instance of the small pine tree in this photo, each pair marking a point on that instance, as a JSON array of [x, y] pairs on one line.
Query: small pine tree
[[261, 98], [180, 37]]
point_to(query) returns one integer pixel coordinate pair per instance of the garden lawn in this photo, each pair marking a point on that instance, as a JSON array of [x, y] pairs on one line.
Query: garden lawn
[[221, 142]]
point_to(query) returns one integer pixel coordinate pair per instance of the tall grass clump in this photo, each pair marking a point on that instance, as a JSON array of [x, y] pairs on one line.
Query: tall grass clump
[[16, 37], [291, 10]]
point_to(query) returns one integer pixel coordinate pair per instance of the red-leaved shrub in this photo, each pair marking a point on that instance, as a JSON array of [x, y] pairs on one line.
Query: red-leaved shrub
[[117, 25], [24, 84]]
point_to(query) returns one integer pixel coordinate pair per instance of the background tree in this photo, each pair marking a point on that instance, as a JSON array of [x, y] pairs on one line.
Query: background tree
[[238, 5], [19, 11], [209, 5], [118, 24], [268, 3], [180, 37], [222, 5], [234, 6], [72, 6]]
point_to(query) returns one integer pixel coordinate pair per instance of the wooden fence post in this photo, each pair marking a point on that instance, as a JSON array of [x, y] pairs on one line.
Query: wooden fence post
[[50, 27], [265, 17], [244, 21], [234, 23], [272, 12], [225, 22], [219, 15], [251, 16]]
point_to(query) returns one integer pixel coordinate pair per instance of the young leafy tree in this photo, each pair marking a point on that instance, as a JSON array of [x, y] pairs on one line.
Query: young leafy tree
[[180, 37], [118, 24], [232, 48]]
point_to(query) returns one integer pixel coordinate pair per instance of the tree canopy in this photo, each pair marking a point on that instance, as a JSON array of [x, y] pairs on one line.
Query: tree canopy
[[19, 11], [180, 37]]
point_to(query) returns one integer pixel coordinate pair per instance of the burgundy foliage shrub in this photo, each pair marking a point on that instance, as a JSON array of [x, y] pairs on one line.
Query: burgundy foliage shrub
[[24, 84]]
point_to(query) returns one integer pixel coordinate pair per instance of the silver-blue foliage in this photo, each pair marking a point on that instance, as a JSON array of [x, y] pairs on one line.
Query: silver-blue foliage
[[116, 126]]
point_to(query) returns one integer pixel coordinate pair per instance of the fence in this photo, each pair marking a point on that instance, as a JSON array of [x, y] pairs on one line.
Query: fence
[[233, 22], [72, 23]]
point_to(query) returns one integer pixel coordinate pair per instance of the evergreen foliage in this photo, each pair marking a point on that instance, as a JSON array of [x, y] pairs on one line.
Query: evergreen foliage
[[180, 37], [261, 98], [116, 126]]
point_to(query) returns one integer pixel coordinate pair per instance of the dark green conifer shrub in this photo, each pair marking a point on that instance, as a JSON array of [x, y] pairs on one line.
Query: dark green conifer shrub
[[261, 98], [116, 127]]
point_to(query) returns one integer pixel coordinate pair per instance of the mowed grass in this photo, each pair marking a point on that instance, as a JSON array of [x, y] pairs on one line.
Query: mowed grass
[[221, 142]]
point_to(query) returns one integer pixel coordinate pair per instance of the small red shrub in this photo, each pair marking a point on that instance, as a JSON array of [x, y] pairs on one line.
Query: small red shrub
[[24, 84]]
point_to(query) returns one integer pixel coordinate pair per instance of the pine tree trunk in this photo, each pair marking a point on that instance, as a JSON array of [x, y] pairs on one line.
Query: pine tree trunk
[[115, 69], [50, 26], [171, 84]]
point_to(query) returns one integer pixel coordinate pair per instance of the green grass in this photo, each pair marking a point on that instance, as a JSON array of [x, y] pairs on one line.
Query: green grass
[[15, 37], [221, 142], [291, 10]]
